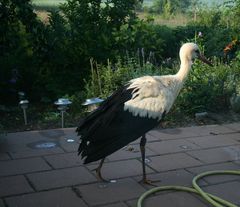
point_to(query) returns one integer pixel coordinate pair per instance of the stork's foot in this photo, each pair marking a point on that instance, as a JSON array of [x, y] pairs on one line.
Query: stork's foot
[[99, 176], [146, 181]]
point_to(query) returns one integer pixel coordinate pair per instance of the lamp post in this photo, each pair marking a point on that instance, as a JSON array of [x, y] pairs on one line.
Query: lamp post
[[92, 103], [24, 105], [62, 104]]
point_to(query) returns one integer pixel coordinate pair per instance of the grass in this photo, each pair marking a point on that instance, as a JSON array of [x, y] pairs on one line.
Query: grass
[[57, 2], [178, 20], [42, 6], [47, 4]]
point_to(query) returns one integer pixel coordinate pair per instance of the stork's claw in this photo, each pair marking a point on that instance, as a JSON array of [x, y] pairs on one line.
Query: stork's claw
[[148, 182], [99, 175]]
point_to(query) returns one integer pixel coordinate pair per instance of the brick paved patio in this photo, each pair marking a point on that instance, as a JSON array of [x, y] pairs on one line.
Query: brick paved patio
[[31, 176]]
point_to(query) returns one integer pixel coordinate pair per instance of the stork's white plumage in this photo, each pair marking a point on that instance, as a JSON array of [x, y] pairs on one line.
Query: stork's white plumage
[[153, 95], [132, 111]]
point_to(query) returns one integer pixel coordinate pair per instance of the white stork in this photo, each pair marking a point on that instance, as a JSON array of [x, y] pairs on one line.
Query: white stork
[[133, 110]]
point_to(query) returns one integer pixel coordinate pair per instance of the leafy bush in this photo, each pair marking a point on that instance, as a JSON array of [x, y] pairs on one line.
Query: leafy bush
[[51, 60], [170, 7], [105, 79], [148, 37], [208, 89]]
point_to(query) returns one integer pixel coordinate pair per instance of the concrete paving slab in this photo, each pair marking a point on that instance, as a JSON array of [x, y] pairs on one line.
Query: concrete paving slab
[[215, 140], [21, 166], [129, 152], [4, 156], [61, 178], [149, 138], [216, 155], [176, 133], [56, 198], [28, 144], [171, 146], [235, 126], [121, 169], [175, 177], [69, 147], [24, 138], [216, 178], [99, 194], [229, 191], [116, 205], [52, 133], [58, 136], [69, 133], [173, 199], [64, 160], [173, 162], [14, 185], [1, 203], [207, 130], [25, 152]]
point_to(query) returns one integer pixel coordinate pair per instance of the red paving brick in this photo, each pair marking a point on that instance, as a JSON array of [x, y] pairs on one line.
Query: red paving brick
[[14, 185], [57, 198], [56, 177]]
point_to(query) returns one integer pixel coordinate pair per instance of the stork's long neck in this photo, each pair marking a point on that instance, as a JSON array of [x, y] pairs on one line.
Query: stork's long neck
[[184, 70]]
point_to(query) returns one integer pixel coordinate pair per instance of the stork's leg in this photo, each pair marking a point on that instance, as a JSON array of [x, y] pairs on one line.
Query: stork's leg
[[142, 148], [98, 171]]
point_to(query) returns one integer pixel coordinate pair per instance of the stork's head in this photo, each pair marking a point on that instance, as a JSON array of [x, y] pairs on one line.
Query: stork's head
[[190, 51]]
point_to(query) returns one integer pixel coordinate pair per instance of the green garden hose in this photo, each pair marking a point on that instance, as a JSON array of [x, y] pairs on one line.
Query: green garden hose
[[214, 200]]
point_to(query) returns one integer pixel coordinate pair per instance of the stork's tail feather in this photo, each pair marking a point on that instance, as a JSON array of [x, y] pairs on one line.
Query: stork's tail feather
[[95, 150]]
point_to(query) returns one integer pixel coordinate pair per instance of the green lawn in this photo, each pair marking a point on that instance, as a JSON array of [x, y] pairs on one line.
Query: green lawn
[[43, 5], [47, 4]]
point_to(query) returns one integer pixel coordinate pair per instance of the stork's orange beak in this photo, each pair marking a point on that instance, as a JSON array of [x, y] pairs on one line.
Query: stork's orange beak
[[204, 59]]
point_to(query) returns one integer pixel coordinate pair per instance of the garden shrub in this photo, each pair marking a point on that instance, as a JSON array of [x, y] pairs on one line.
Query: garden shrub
[[208, 88], [52, 60]]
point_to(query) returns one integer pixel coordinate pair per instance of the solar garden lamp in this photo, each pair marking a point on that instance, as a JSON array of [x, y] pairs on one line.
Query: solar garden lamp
[[24, 105], [92, 103], [62, 104], [21, 95]]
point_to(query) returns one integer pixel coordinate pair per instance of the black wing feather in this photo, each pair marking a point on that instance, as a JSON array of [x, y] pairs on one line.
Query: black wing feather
[[110, 128]]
